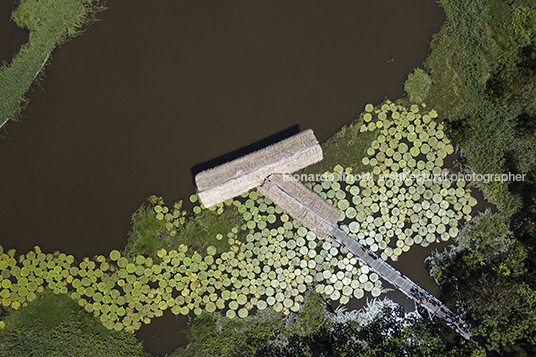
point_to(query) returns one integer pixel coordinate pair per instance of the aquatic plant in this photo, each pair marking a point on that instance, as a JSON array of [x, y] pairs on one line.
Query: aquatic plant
[[273, 268], [259, 257], [173, 218], [407, 197]]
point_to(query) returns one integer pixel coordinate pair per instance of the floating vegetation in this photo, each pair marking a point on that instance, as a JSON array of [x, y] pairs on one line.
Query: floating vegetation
[[408, 198], [274, 267], [279, 259], [174, 217]]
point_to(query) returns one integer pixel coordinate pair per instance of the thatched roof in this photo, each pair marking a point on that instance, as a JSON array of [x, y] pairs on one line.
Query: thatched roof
[[231, 179], [301, 203]]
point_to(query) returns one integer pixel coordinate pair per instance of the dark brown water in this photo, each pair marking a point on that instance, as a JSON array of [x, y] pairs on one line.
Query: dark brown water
[[156, 87]]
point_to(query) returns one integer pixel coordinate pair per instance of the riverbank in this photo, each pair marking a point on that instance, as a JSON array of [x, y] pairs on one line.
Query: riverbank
[[482, 69], [51, 23]]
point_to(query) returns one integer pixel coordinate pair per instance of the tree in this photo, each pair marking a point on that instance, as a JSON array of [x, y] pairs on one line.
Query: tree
[[487, 274]]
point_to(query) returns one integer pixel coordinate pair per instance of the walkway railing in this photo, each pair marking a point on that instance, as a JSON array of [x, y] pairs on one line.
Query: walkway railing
[[402, 282]]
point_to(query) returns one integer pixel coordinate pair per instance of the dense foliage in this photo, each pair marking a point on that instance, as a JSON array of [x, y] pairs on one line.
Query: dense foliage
[[54, 325], [482, 67], [216, 335], [488, 272], [482, 70], [51, 23], [380, 329], [417, 86]]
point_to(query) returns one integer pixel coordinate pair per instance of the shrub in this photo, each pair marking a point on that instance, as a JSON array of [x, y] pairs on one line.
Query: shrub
[[417, 86], [198, 231]]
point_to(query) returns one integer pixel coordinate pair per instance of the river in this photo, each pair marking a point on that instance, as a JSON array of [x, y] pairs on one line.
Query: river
[[156, 87]]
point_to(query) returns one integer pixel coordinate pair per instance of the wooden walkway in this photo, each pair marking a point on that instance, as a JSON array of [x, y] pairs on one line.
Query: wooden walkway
[[402, 282]]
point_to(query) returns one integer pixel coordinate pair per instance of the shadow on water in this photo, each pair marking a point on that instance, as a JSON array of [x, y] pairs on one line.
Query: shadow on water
[[154, 88]]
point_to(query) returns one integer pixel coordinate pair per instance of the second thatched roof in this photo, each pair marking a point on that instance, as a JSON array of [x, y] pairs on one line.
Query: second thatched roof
[[301, 203]]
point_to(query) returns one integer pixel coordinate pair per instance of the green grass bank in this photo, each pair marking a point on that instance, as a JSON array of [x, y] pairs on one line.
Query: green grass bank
[[51, 23]]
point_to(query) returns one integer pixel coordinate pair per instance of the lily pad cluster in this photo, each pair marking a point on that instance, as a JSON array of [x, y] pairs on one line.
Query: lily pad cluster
[[174, 216], [279, 259], [22, 280], [283, 259], [272, 268], [407, 197]]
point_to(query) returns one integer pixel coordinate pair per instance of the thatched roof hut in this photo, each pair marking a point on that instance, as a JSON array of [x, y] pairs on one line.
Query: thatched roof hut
[[231, 179], [301, 203]]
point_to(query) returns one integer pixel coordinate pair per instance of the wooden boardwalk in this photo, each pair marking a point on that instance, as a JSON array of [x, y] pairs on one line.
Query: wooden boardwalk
[[402, 282]]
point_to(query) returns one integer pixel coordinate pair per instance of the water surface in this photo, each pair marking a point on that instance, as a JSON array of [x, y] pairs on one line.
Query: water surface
[[156, 87]]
